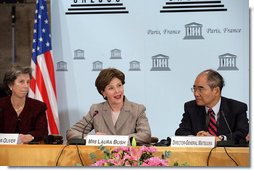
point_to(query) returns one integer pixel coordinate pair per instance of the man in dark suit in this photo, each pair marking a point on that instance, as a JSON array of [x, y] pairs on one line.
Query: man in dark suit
[[231, 122]]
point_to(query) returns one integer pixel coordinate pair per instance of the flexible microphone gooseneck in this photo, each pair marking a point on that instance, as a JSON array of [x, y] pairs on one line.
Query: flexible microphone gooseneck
[[82, 141], [227, 143], [88, 122], [231, 135]]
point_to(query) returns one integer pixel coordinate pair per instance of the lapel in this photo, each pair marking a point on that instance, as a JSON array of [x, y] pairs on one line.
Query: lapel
[[124, 114], [203, 117], [122, 118], [222, 124], [108, 118]]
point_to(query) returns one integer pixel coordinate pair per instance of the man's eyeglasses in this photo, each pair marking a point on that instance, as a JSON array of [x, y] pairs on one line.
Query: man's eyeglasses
[[197, 89]]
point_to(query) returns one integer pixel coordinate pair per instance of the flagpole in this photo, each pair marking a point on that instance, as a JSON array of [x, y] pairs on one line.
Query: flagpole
[[13, 19]]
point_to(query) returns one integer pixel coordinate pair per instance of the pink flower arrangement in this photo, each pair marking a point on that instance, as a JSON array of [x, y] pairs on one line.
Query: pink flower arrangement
[[130, 156]]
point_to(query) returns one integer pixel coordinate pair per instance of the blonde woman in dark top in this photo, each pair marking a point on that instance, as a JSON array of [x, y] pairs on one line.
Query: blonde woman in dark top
[[19, 113]]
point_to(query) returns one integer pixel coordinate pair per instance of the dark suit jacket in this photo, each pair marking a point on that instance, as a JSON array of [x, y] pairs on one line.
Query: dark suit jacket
[[132, 121], [195, 119], [32, 120]]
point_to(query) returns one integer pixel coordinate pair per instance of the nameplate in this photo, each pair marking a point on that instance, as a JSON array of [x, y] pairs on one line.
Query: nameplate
[[193, 141], [107, 140], [9, 138]]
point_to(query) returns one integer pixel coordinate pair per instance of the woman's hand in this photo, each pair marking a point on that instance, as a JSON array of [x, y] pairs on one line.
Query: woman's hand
[[26, 138], [100, 133]]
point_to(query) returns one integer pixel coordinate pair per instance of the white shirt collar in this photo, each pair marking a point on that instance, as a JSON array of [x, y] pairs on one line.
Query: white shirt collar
[[215, 108]]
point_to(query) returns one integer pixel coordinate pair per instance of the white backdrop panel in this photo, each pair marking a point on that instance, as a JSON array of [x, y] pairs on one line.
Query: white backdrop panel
[[182, 43]]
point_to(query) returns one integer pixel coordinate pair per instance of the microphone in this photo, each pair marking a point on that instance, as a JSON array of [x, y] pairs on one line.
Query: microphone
[[227, 143], [82, 141], [94, 114]]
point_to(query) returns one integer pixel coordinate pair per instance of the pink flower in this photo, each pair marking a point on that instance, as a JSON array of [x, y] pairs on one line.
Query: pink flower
[[148, 149], [155, 161], [100, 163], [124, 149], [131, 156]]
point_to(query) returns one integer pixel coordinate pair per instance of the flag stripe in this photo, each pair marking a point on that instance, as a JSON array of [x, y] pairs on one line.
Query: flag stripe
[[50, 89], [33, 81], [50, 67], [42, 87]]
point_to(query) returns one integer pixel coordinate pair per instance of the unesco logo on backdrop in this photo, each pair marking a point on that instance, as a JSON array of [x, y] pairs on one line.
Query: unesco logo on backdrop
[[227, 61], [193, 31], [87, 7], [115, 54]]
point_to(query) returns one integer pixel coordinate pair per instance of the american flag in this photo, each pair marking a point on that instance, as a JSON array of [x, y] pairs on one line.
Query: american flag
[[43, 86]]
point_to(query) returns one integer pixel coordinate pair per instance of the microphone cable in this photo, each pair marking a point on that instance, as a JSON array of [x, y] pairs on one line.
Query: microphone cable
[[231, 136], [60, 154], [80, 156], [209, 155], [230, 156]]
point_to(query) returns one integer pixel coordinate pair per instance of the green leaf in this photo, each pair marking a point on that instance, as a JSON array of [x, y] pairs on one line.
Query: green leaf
[[167, 154], [92, 156], [133, 142], [181, 164]]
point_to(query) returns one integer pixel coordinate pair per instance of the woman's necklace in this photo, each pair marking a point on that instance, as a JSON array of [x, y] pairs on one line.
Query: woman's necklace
[[17, 109], [20, 108]]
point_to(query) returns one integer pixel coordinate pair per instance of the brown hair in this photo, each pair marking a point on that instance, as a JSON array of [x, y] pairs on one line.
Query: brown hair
[[12, 74], [105, 76]]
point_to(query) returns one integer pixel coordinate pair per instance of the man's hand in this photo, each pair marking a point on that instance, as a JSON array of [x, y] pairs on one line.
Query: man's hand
[[203, 133]]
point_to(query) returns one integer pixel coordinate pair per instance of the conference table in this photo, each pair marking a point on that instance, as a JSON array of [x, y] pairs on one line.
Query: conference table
[[79, 155]]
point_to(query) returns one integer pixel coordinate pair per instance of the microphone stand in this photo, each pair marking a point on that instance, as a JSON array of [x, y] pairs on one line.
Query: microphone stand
[[82, 141], [230, 142], [79, 141]]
